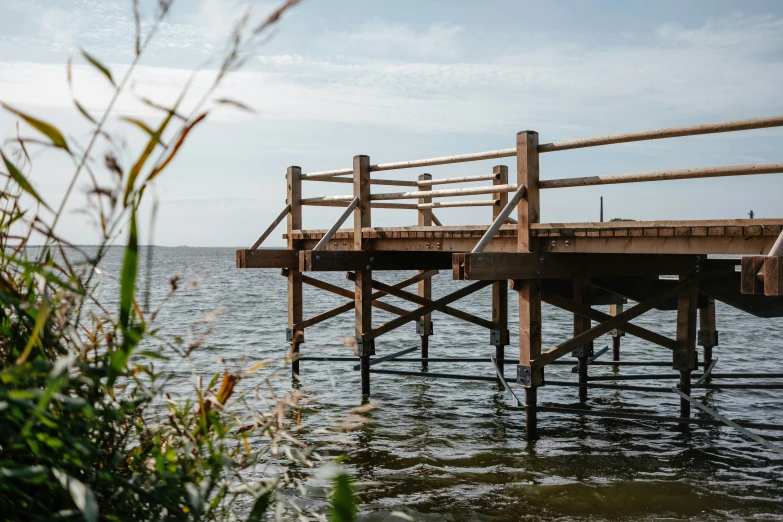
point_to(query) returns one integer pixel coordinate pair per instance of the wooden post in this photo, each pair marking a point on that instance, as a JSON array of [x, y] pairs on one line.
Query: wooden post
[[582, 324], [616, 334], [295, 308], [424, 325], [528, 212], [363, 281], [708, 333], [684, 356], [499, 335]]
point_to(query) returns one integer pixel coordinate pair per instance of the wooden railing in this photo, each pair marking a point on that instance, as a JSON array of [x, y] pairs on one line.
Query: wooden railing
[[527, 160]]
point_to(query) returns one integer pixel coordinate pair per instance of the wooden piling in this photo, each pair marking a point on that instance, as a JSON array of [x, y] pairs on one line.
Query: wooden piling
[[295, 306], [363, 280], [528, 212], [708, 333], [499, 334], [582, 324], [424, 325], [616, 334], [684, 356]]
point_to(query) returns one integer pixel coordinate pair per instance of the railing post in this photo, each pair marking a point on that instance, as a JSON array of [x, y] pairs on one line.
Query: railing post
[[684, 356], [499, 335], [424, 325], [528, 212], [582, 324], [708, 333], [295, 310], [363, 282]]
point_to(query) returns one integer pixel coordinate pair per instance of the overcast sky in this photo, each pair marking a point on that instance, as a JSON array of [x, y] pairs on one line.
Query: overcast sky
[[400, 80]]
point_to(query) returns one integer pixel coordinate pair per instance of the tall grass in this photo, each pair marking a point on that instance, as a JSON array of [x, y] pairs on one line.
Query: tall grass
[[88, 430]]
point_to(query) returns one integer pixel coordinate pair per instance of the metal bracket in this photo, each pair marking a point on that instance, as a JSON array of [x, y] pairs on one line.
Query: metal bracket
[[524, 376], [498, 338], [421, 330], [680, 361], [582, 351], [616, 333], [290, 333], [364, 348], [708, 338]]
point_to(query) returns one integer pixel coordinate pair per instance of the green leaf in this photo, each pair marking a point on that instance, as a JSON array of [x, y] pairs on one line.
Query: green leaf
[[84, 112], [260, 507], [343, 508], [48, 130], [20, 180], [184, 134], [143, 126], [98, 65], [130, 266], [82, 495]]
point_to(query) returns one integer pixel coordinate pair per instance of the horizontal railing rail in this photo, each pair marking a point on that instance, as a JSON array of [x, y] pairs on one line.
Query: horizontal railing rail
[[447, 193], [463, 179], [662, 175], [673, 132]]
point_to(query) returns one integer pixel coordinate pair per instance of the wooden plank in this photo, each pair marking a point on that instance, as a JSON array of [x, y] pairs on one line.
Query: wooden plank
[[422, 301], [267, 258], [348, 260], [596, 315], [363, 282], [294, 286], [582, 324], [615, 322], [433, 306], [684, 355], [530, 265]]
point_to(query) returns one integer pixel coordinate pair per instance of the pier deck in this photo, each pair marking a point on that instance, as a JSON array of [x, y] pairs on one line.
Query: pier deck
[[674, 265]]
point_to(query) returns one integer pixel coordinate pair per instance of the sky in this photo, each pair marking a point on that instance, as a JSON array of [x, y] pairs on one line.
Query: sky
[[402, 80]]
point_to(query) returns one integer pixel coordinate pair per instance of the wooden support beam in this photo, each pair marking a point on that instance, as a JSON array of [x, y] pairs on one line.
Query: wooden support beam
[[350, 306], [616, 309], [500, 336], [596, 315], [363, 282], [436, 305], [708, 333], [509, 265], [295, 303], [421, 301], [773, 275], [528, 213], [347, 260], [751, 283], [267, 258], [582, 324], [684, 357], [424, 324], [615, 322]]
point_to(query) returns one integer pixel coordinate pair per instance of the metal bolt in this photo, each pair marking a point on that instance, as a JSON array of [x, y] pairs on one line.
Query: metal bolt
[[537, 272], [480, 259], [554, 243], [438, 245], [251, 253], [427, 245], [317, 258], [542, 259], [335, 245], [372, 259], [567, 243], [368, 267], [698, 259], [698, 269]]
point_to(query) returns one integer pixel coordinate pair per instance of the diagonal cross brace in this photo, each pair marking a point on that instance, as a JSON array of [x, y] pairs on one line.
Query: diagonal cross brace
[[350, 306], [618, 321], [595, 315], [431, 307], [329, 287], [408, 296]]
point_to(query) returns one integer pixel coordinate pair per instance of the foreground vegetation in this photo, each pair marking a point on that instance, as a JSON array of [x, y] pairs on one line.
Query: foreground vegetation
[[89, 427]]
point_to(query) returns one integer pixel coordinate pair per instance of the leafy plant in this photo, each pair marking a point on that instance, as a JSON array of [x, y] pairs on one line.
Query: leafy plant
[[88, 429]]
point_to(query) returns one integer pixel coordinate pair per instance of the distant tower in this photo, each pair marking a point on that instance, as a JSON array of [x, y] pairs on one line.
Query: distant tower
[[602, 209], [751, 214]]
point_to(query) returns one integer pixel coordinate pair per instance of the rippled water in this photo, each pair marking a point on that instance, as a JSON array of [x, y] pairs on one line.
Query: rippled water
[[455, 450]]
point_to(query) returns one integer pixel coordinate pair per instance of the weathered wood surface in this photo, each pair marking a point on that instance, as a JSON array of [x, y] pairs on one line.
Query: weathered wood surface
[[350, 260], [540, 265], [267, 258]]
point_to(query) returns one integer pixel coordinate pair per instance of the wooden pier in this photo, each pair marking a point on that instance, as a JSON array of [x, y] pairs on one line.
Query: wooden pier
[[572, 266]]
